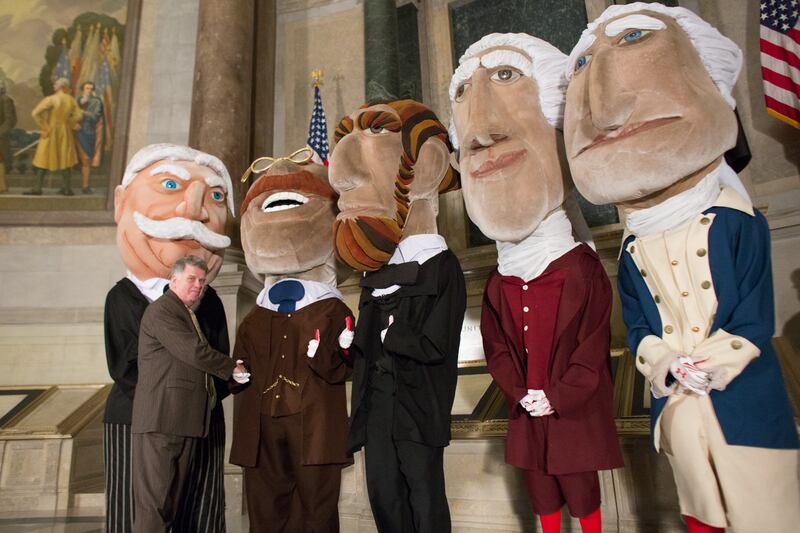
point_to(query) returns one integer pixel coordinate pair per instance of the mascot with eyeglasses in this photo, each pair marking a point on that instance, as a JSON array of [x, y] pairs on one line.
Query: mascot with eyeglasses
[[290, 424], [649, 117]]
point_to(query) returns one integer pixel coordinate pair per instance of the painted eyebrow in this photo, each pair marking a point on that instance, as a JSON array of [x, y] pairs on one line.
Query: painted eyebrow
[[635, 21], [183, 174], [175, 170]]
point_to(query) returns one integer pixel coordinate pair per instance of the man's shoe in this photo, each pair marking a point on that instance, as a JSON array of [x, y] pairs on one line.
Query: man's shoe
[[33, 192], [87, 190], [67, 192]]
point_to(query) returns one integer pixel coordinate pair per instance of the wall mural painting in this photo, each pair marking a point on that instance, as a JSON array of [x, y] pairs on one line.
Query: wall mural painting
[[60, 70]]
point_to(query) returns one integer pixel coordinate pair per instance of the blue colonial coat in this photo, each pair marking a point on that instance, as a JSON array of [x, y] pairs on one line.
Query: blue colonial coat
[[753, 410]]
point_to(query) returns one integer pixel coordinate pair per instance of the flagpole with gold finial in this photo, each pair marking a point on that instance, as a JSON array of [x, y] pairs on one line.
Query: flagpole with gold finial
[[316, 77]]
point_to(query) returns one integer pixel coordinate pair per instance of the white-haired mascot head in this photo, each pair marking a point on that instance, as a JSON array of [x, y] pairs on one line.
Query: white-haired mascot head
[[173, 201]]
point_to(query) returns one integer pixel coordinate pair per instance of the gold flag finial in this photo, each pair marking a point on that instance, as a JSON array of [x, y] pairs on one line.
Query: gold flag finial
[[316, 75]]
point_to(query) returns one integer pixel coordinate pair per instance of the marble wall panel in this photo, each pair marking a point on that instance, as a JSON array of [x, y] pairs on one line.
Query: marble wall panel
[[329, 37]]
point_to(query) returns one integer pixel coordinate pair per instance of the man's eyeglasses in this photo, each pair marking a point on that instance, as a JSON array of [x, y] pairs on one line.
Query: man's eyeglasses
[[263, 164]]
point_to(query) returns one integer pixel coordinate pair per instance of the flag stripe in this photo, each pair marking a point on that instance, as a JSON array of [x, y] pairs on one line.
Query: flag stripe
[[779, 80], [784, 40], [780, 67], [780, 53], [781, 95], [783, 109]]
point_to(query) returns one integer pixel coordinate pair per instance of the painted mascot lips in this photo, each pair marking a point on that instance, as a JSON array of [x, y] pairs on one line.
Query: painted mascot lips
[[283, 200], [505, 160], [627, 131]]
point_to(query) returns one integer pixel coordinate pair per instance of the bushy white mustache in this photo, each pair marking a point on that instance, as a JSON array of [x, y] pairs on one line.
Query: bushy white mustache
[[181, 228]]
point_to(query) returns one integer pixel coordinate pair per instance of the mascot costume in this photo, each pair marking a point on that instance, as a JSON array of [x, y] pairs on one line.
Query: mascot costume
[[545, 316], [290, 426], [648, 119], [172, 202], [390, 163]]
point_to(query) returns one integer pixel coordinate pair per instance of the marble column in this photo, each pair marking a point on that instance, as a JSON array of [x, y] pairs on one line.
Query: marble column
[[223, 81], [382, 80]]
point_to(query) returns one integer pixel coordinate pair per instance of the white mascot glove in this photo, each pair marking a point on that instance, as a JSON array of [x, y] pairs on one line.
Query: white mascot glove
[[313, 344], [536, 403], [689, 375], [347, 335], [240, 377], [383, 332]]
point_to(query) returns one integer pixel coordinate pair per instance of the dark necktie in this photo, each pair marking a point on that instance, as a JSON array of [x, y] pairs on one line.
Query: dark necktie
[[285, 294], [388, 275]]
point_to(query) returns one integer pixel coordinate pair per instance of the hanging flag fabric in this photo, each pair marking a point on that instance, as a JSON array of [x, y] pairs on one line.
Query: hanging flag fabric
[[318, 131], [780, 59], [63, 69]]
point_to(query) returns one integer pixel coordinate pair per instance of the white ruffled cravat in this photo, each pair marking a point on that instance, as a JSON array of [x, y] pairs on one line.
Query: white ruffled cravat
[[678, 210], [528, 258]]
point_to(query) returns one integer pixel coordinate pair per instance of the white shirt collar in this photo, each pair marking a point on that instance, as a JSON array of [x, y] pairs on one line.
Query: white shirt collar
[[418, 248], [314, 291], [152, 288]]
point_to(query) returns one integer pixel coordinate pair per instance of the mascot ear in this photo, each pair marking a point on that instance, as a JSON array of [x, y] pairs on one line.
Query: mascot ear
[[119, 199], [429, 170]]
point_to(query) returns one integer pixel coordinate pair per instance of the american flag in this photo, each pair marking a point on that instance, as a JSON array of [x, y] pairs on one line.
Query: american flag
[[318, 131], [102, 88], [780, 59]]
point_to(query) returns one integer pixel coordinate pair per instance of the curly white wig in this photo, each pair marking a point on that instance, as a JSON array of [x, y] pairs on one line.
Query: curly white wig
[[546, 68]]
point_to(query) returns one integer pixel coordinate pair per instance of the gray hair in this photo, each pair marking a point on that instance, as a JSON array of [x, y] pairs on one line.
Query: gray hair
[[192, 260], [60, 82], [720, 56]]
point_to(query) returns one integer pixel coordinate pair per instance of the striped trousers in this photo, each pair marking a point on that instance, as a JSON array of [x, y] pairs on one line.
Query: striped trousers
[[202, 505]]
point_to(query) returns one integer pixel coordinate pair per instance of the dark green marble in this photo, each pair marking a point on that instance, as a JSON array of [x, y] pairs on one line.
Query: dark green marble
[[408, 42], [381, 51], [559, 22]]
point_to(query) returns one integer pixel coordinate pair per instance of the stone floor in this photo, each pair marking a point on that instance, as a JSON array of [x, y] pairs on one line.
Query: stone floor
[[83, 521]]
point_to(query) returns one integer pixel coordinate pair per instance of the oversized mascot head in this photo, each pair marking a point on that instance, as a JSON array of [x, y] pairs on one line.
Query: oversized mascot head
[[172, 202], [649, 102], [389, 165], [287, 216], [507, 98]]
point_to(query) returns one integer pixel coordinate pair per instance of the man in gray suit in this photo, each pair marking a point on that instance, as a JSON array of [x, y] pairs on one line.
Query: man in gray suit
[[174, 395]]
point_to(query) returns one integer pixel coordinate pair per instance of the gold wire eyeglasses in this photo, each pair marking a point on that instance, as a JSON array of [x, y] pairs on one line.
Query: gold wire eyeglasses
[[262, 164]]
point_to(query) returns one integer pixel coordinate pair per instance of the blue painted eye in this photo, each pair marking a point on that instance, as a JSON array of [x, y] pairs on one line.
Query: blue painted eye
[[633, 36], [217, 196], [170, 184], [581, 62]]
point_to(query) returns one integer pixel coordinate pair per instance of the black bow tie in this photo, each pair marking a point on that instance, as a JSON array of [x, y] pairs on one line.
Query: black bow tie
[[388, 275]]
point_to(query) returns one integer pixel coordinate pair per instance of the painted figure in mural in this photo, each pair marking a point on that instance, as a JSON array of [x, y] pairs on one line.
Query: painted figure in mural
[[8, 119], [57, 115], [290, 426], [545, 315], [648, 119], [90, 135], [173, 404], [390, 163], [171, 203]]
